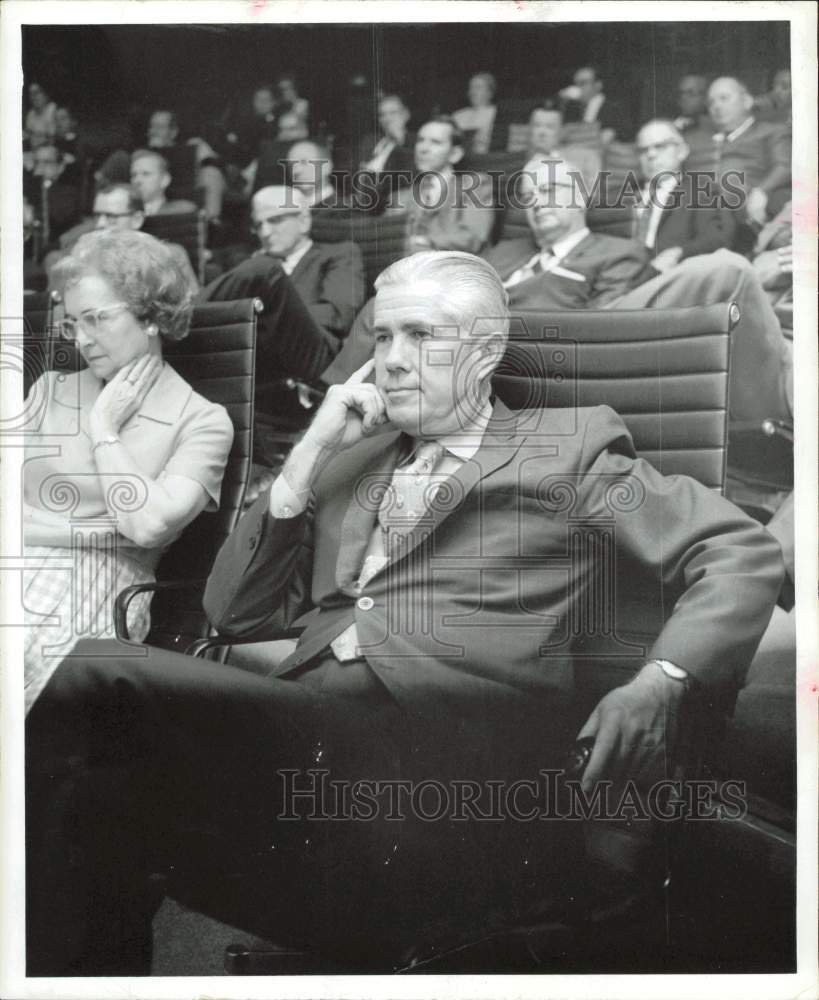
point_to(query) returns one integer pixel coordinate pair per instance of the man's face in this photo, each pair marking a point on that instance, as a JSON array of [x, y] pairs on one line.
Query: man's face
[[691, 96], [660, 150], [64, 122], [587, 83], [161, 130], [280, 226], [781, 88], [480, 92], [112, 212], [434, 149], [148, 178], [728, 104], [544, 130], [37, 96], [554, 207], [425, 360], [291, 127], [287, 90], [308, 168], [392, 117], [47, 163], [263, 102]]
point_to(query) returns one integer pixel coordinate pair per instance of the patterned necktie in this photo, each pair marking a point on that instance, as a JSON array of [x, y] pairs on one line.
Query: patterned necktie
[[408, 497]]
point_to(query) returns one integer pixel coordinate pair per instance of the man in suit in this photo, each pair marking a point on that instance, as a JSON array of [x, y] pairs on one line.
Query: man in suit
[[674, 215], [388, 159], [563, 265], [588, 102], [752, 155], [692, 109], [150, 178], [415, 523], [446, 210]]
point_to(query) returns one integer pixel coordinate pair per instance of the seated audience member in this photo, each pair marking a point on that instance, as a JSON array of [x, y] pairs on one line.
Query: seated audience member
[[692, 119], [545, 130], [41, 115], [775, 106], [150, 179], [675, 216], [757, 153], [291, 127], [136, 423], [116, 206], [288, 99], [452, 700], [565, 266], [445, 210], [193, 165], [75, 151], [588, 102], [310, 170], [329, 277], [310, 291], [773, 255], [477, 122], [56, 202], [389, 157]]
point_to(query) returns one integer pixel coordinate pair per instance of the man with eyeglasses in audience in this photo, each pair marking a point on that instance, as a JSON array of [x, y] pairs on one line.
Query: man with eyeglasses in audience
[[674, 215]]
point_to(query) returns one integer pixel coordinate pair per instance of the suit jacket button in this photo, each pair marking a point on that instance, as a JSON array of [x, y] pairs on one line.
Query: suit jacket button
[[252, 543], [365, 603]]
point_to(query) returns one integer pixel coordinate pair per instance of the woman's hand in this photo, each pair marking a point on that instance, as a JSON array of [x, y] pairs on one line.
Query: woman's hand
[[123, 395]]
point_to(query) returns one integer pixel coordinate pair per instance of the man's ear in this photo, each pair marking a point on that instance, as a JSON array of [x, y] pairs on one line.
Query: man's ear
[[456, 155], [685, 151], [166, 180], [137, 219]]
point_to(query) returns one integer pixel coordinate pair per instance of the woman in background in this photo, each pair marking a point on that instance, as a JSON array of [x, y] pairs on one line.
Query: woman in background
[[125, 454]]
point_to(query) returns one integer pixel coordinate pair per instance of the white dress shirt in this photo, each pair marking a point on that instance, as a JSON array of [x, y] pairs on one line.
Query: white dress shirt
[[549, 259], [290, 261]]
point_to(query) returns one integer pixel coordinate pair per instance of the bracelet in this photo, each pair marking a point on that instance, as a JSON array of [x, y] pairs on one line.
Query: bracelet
[[111, 439]]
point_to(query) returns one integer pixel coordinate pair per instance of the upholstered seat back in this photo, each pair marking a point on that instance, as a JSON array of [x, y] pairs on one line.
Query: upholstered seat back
[[188, 230], [666, 374], [37, 319], [381, 238]]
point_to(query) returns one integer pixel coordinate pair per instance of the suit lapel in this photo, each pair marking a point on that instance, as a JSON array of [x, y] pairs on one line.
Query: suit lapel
[[499, 446], [367, 485], [304, 263]]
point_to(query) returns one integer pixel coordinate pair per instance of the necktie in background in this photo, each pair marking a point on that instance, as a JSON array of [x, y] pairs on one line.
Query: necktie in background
[[641, 220]]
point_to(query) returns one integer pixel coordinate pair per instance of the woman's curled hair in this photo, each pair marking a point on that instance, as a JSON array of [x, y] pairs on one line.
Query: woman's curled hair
[[142, 270]]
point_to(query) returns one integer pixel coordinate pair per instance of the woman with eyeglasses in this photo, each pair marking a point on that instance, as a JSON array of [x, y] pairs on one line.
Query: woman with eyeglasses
[[123, 454]]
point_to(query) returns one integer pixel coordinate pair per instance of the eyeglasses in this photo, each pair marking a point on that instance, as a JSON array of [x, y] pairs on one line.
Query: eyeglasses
[[111, 215], [91, 320]]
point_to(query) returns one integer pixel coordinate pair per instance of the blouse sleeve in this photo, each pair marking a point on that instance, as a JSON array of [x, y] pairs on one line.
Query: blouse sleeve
[[202, 448]]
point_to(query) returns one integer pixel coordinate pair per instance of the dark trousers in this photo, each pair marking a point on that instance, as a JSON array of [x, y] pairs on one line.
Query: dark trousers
[[151, 773], [289, 340]]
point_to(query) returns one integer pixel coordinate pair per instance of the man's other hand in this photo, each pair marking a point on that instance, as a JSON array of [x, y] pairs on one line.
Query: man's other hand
[[634, 728]]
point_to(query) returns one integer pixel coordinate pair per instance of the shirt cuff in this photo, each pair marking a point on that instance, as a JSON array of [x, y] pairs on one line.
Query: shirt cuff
[[285, 502]]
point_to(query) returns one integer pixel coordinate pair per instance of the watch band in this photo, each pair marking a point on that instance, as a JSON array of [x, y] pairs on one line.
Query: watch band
[[676, 673]]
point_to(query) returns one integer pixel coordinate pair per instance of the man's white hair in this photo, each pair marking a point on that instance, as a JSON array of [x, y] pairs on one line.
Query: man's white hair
[[283, 196], [471, 287]]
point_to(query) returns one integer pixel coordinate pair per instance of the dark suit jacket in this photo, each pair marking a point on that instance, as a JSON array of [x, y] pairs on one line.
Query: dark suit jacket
[[330, 280], [603, 269], [476, 615], [697, 230], [462, 221]]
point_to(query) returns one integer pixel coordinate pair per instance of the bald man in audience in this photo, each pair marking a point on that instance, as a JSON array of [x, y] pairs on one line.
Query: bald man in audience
[[674, 215], [563, 265], [756, 153]]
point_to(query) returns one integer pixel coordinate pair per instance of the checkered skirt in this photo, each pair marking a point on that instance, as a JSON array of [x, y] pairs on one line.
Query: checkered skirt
[[69, 594]]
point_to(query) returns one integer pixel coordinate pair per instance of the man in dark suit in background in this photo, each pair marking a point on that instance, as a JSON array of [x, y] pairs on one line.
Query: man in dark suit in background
[[676, 215], [422, 657]]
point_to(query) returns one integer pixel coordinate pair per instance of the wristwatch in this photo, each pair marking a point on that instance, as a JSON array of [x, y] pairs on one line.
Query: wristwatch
[[676, 674]]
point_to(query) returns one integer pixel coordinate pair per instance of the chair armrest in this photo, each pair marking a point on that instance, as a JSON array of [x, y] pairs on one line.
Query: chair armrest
[[124, 598], [200, 646]]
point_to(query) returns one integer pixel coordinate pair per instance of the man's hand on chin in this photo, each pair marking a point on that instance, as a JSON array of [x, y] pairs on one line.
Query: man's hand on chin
[[634, 728]]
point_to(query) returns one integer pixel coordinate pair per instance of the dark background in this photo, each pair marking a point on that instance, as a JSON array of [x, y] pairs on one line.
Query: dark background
[[208, 72]]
